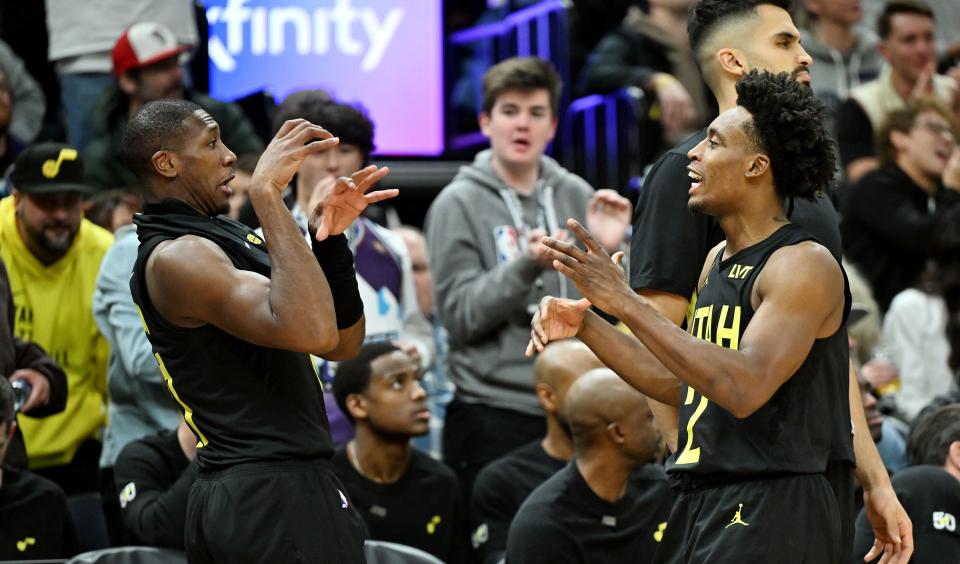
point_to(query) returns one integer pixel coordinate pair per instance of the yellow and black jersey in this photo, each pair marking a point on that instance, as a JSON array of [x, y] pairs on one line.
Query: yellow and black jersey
[[243, 402], [794, 431]]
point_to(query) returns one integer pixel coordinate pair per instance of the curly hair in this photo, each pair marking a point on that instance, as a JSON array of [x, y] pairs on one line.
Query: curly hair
[[349, 123], [787, 124], [709, 15]]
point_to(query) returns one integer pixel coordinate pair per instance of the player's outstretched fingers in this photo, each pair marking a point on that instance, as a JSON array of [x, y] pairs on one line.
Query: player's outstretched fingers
[[381, 195], [547, 249], [585, 237], [288, 126], [363, 174], [369, 177]]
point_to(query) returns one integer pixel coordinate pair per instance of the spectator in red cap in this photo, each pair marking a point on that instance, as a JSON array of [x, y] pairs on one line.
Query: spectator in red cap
[[80, 41], [146, 67]]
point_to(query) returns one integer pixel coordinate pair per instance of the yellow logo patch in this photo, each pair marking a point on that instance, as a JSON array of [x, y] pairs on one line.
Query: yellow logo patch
[[658, 535], [254, 239], [432, 525], [23, 544], [51, 168]]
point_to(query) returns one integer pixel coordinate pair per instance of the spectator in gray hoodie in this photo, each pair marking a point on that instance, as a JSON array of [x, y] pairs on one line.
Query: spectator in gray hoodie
[[483, 233], [844, 56]]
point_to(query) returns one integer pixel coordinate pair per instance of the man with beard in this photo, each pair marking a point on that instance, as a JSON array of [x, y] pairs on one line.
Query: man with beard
[[146, 66], [53, 256]]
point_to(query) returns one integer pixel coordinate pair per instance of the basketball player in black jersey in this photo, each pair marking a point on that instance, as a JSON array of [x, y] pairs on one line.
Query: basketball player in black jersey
[[765, 348], [232, 325]]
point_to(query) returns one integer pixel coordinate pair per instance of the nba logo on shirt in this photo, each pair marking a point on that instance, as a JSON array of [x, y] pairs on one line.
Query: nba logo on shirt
[[508, 247]]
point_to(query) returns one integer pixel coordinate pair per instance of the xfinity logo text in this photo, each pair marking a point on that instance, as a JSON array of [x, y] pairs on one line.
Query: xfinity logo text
[[355, 32]]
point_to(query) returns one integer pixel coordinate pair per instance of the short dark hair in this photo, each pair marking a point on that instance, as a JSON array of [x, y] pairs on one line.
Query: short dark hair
[[709, 15], [7, 413], [524, 74], [903, 120], [156, 126], [894, 7], [787, 124], [353, 376], [930, 440]]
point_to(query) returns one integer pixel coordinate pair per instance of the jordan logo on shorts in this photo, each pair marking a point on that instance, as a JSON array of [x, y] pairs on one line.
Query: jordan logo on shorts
[[736, 519]]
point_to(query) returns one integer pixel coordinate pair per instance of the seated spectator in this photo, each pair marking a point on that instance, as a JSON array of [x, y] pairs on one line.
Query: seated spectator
[[80, 40], [593, 510], [113, 209], [27, 361], [26, 96], [146, 67], [651, 51], [403, 495], [844, 56], [930, 491], [33, 510], [889, 437], [483, 233], [887, 219], [504, 484], [140, 404], [918, 327], [906, 30], [53, 255], [435, 381], [152, 479]]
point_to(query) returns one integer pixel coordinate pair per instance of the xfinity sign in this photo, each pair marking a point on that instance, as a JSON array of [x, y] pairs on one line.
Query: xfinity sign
[[383, 54]]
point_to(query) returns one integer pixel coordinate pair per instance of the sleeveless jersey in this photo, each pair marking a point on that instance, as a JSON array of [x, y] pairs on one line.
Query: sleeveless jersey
[[243, 402], [794, 431]]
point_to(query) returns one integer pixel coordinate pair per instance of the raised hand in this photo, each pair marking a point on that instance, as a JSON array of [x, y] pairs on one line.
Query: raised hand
[[296, 139], [608, 215], [555, 319], [598, 277], [347, 199]]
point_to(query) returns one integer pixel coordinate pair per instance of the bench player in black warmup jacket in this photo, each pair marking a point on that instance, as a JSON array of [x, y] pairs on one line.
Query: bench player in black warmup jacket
[[232, 324], [759, 368]]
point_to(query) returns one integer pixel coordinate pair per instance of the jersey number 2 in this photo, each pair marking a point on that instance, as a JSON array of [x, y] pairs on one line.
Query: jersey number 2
[[691, 455]]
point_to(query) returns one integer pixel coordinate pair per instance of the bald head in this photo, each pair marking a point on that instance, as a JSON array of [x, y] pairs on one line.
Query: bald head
[[562, 361], [600, 398]]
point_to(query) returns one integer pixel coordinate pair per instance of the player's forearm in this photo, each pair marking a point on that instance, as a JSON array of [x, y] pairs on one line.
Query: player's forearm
[[300, 297], [722, 375], [351, 341], [626, 356], [870, 471]]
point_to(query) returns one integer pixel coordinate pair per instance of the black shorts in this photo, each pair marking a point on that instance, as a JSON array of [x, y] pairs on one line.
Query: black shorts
[[790, 519], [839, 474], [270, 512]]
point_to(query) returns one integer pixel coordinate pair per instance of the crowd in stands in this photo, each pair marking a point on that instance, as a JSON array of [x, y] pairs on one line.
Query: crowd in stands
[[450, 439]]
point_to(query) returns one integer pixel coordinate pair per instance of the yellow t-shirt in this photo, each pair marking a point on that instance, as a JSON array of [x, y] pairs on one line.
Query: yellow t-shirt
[[54, 309]]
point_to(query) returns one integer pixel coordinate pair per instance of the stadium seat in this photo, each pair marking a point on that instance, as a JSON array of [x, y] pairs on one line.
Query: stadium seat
[[380, 552], [130, 555]]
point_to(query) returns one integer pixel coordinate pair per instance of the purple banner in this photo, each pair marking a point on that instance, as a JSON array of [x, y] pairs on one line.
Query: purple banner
[[385, 55]]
